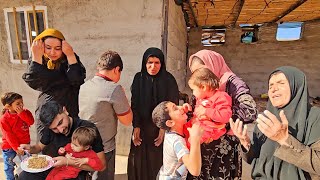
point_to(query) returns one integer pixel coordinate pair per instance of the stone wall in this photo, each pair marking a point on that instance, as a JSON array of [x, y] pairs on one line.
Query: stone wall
[[254, 62], [177, 45]]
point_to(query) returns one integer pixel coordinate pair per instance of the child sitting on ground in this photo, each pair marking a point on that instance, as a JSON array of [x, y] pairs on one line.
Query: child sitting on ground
[[79, 149], [213, 107], [177, 159], [15, 123]]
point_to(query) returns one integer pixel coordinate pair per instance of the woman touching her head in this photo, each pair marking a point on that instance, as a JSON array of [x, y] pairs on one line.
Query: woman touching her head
[[286, 139], [56, 71]]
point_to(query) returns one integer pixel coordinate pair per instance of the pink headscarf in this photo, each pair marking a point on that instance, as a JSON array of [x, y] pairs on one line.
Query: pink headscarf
[[215, 62]]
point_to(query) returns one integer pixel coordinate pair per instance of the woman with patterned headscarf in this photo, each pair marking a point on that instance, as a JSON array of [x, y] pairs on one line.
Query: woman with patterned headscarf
[[221, 158], [152, 85], [56, 71], [286, 139]]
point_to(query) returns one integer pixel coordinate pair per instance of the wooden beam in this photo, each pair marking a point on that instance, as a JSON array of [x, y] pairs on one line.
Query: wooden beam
[[293, 7], [237, 16], [35, 22], [164, 34], [192, 12], [17, 34]]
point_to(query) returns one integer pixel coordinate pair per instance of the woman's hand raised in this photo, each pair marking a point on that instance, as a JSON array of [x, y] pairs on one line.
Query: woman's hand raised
[[37, 49], [68, 51], [186, 107], [240, 132], [270, 126]]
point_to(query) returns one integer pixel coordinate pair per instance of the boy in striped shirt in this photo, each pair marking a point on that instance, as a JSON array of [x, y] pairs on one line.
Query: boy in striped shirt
[[177, 159]]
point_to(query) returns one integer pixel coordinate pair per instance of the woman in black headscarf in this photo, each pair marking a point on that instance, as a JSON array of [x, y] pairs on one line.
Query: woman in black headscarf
[[150, 87], [290, 148]]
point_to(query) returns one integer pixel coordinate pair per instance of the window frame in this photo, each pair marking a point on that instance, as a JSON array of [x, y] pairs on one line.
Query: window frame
[[215, 30], [250, 28], [25, 10], [281, 39]]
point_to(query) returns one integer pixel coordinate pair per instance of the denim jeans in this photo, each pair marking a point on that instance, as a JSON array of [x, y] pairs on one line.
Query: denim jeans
[[8, 156]]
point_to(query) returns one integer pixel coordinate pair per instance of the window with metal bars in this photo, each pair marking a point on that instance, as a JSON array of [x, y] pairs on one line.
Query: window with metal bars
[[23, 24]]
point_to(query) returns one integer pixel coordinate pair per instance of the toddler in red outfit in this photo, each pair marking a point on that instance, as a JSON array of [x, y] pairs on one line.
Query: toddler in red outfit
[[213, 107], [78, 149], [15, 123]]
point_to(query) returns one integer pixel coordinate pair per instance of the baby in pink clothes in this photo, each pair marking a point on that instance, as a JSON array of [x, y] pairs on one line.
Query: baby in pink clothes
[[213, 107]]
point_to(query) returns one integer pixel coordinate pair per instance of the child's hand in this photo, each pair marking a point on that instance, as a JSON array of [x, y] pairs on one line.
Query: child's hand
[[61, 150], [195, 131], [209, 140], [203, 118], [68, 155], [19, 109], [20, 151], [81, 161], [200, 111], [187, 107], [24, 147]]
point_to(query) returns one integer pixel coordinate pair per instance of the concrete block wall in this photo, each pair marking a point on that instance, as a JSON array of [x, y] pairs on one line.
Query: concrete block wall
[[254, 62], [177, 44], [91, 27]]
